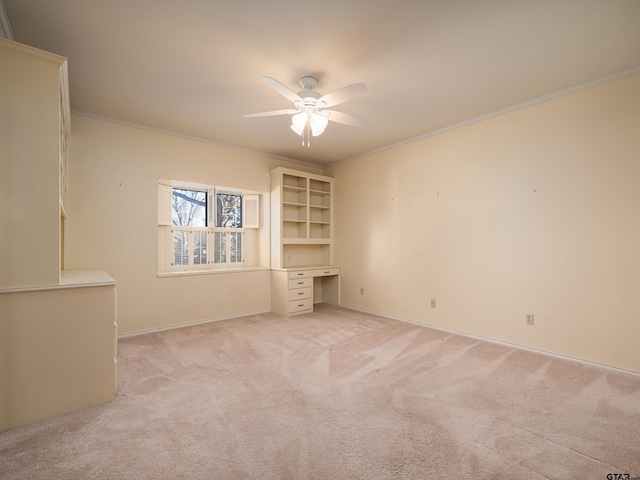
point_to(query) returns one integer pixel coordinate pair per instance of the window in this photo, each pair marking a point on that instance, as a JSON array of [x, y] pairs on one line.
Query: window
[[228, 210], [188, 208], [207, 226]]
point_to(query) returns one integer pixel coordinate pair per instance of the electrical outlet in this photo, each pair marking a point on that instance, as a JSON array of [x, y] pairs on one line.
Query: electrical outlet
[[433, 303], [529, 319]]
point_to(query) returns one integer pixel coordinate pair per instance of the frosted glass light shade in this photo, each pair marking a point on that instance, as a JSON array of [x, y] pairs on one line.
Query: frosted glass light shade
[[318, 124], [298, 122]]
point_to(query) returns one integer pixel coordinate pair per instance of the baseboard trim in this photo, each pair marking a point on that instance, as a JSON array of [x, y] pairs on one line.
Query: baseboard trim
[[404, 320], [499, 342], [191, 324]]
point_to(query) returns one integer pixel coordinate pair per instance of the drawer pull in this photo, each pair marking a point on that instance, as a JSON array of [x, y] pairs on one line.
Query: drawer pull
[[300, 274], [327, 271], [300, 293], [300, 283], [301, 304]]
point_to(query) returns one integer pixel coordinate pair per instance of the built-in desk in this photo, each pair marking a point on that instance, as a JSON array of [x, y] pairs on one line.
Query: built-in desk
[[295, 290]]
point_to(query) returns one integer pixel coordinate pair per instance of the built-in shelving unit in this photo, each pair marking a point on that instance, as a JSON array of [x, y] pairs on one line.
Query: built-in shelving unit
[[58, 338], [294, 206], [301, 219], [62, 143], [64, 132], [302, 241], [319, 209]]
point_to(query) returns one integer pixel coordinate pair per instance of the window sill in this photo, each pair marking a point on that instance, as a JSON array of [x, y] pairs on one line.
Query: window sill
[[210, 272]]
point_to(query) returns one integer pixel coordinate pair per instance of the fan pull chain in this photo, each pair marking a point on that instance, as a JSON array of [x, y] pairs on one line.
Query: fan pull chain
[[306, 132]]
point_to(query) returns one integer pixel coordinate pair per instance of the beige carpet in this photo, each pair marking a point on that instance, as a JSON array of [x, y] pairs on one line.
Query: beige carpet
[[337, 394]]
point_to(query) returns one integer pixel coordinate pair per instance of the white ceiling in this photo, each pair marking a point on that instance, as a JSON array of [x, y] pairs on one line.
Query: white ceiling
[[195, 66]]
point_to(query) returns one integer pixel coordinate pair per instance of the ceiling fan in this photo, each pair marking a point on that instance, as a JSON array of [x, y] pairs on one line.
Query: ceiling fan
[[309, 113]]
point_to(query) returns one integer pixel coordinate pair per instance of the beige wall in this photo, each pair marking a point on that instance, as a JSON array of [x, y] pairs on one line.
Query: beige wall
[[534, 211], [112, 221]]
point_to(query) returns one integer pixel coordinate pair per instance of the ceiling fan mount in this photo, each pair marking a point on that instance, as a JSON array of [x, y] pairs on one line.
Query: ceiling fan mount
[[308, 82], [309, 115], [308, 97]]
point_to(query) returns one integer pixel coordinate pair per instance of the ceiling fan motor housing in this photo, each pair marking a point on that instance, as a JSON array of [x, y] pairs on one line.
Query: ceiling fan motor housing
[[308, 100], [308, 95]]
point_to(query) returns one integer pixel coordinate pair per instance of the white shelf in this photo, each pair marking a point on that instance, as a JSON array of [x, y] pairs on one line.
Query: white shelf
[[301, 218]]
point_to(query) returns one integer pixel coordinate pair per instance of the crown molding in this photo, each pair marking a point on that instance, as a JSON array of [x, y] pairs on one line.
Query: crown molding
[[27, 50], [171, 133], [5, 25], [496, 113]]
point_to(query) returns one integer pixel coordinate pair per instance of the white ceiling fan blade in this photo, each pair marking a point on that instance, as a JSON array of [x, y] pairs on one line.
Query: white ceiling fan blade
[[282, 89], [286, 111], [344, 118], [343, 94]]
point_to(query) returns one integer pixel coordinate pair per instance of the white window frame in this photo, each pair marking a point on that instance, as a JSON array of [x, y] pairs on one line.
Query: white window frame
[[250, 217], [211, 249], [229, 253], [192, 232]]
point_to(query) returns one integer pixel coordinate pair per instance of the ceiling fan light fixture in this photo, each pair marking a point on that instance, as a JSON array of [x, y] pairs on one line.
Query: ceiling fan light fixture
[[298, 122], [309, 118], [318, 124]]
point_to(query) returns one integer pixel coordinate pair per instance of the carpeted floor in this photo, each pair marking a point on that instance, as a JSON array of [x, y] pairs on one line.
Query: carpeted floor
[[337, 394]]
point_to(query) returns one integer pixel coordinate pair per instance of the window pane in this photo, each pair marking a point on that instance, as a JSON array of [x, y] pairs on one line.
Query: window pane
[[181, 247], [236, 247], [189, 208], [228, 210], [220, 247], [199, 247]]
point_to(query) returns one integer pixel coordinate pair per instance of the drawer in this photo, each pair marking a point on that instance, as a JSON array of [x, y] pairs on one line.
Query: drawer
[[300, 283], [300, 274], [300, 294], [298, 306], [321, 272]]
